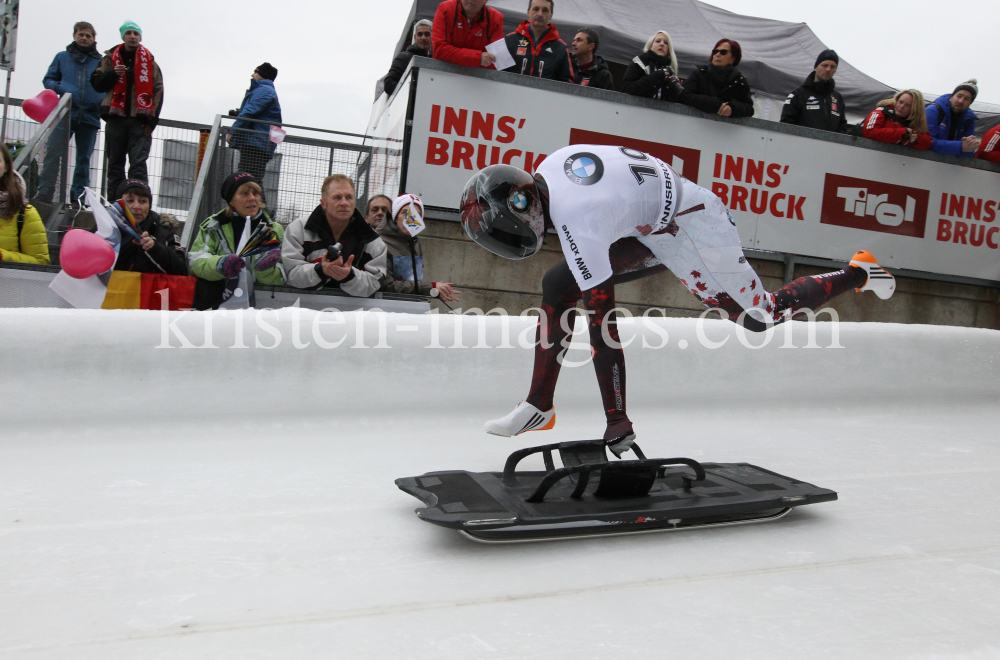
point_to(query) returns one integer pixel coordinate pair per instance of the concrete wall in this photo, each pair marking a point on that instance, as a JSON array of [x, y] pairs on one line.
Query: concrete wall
[[489, 282]]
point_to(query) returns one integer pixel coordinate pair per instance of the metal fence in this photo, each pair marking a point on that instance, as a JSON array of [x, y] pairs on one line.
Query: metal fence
[[49, 167], [293, 175]]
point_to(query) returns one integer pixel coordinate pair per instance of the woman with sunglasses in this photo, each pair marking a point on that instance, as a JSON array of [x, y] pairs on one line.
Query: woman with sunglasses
[[719, 87], [648, 72]]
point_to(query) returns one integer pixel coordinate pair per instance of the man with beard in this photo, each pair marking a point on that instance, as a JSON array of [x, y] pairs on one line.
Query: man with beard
[[421, 46], [817, 103]]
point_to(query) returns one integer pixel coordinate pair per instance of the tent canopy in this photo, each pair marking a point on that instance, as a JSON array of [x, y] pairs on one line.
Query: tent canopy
[[777, 56]]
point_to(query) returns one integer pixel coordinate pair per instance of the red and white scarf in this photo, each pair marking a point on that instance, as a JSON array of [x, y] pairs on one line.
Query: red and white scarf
[[143, 83]]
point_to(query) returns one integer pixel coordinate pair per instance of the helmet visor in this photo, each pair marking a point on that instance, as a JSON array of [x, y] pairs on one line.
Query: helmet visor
[[502, 215]]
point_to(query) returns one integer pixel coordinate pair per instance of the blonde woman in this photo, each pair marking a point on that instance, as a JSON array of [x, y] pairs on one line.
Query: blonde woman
[[899, 120], [648, 72], [22, 234]]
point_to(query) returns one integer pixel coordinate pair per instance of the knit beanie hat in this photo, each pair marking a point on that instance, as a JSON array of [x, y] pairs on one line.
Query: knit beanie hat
[[138, 184], [233, 182], [414, 225], [267, 71], [129, 25], [828, 54], [402, 201], [971, 86]]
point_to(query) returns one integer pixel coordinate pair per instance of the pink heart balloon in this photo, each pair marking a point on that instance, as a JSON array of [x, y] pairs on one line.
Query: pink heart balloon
[[83, 254], [39, 107]]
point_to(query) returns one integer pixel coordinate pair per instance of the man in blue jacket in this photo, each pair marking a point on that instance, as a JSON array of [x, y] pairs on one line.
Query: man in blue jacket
[[253, 138], [952, 123], [70, 73]]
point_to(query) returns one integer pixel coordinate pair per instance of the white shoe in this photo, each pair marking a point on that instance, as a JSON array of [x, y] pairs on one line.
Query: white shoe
[[525, 417], [879, 280]]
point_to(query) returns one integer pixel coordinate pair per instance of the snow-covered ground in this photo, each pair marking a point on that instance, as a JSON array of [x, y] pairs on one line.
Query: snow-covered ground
[[239, 502]]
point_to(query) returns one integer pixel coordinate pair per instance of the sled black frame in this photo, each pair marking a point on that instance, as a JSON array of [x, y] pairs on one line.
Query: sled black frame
[[631, 496]]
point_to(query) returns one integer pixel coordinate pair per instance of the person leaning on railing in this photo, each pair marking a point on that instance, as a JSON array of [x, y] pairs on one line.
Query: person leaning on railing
[[591, 69], [718, 87], [22, 234], [463, 29], [157, 250], [648, 72], [990, 147], [212, 255], [421, 46], [817, 103], [536, 47], [899, 120], [405, 255], [952, 123]]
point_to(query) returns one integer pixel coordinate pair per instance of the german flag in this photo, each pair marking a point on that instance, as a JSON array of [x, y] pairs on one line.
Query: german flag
[[132, 290]]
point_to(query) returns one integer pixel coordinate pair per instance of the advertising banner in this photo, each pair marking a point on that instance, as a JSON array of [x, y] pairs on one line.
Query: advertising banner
[[786, 193]]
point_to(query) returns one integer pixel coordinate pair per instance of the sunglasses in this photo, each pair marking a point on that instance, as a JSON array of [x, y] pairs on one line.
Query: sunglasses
[[720, 51]]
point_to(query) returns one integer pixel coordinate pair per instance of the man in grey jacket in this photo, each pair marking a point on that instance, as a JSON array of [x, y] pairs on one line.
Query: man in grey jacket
[[361, 264]]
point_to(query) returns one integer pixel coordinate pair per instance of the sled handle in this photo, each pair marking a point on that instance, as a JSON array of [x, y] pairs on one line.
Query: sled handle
[[584, 471]]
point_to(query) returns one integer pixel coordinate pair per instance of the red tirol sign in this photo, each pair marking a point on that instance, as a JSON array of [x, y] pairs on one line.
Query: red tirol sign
[[874, 206], [682, 159]]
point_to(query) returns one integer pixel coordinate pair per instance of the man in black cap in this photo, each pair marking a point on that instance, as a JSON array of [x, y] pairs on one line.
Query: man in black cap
[[253, 138], [952, 123], [817, 103], [156, 251]]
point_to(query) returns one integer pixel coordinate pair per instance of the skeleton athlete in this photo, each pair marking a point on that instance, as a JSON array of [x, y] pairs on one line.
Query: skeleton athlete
[[621, 215]]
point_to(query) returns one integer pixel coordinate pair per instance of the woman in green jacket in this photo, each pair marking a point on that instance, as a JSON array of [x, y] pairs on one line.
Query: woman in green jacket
[[212, 255], [22, 233]]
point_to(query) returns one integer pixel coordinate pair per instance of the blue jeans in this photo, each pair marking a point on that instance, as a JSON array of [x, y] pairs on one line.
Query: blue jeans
[[86, 138]]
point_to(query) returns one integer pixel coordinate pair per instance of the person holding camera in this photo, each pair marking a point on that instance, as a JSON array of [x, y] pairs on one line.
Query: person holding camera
[[334, 247]]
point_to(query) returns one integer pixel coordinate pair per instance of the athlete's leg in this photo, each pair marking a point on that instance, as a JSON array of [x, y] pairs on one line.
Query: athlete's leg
[[559, 293], [703, 250], [609, 359]]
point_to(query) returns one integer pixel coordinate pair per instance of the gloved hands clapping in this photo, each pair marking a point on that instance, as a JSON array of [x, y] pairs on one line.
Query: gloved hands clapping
[[231, 265], [268, 260]]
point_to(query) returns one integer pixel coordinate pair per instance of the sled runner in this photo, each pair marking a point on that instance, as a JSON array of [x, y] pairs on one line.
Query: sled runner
[[592, 496]]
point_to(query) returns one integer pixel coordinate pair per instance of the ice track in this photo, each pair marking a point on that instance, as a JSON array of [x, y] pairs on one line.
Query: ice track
[[238, 503]]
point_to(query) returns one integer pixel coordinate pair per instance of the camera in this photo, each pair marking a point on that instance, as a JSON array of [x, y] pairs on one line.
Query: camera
[[333, 252]]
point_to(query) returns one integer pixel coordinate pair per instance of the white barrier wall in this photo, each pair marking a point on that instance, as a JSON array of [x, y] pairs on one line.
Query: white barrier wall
[[787, 193]]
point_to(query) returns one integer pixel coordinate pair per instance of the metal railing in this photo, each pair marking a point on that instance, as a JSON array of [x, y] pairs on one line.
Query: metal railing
[[292, 175]]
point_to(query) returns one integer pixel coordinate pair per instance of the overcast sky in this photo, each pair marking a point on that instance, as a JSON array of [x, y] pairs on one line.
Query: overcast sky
[[329, 54]]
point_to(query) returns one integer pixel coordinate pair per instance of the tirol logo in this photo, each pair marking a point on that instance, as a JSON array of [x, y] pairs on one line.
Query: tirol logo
[[874, 206], [584, 168]]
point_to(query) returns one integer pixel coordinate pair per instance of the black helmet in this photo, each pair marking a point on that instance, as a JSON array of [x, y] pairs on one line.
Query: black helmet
[[502, 211]]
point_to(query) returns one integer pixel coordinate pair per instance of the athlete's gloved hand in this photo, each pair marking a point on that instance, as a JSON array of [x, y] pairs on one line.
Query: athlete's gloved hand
[[231, 265], [268, 260]]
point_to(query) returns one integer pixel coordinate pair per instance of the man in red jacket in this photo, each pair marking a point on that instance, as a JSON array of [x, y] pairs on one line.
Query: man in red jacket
[[463, 29]]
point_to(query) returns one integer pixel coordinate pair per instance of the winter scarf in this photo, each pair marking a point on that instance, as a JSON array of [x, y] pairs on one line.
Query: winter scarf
[[143, 73]]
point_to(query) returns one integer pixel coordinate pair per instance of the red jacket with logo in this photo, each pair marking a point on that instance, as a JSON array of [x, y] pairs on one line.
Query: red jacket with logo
[[990, 147], [549, 58], [461, 41], [883, 125]]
